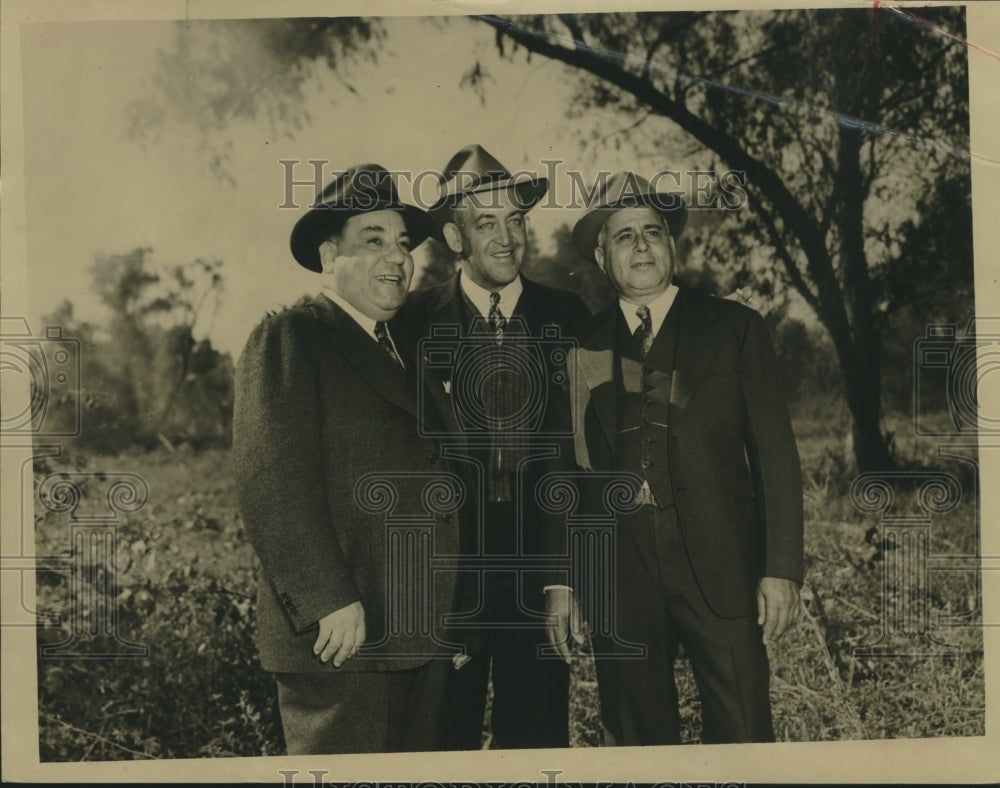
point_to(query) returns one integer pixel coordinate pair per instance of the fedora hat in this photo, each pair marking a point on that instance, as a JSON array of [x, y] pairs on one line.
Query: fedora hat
[[474, 171], [360, 189], [626, 190]]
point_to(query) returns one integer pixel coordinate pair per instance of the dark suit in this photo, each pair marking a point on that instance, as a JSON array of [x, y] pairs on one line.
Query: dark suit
[[705, 423], [504, 606], [319, 407]]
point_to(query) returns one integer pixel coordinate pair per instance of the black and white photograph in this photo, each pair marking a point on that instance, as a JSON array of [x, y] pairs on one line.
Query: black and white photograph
[[488, 391]]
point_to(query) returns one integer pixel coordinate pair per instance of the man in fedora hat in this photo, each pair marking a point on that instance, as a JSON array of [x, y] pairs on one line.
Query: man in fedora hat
[[682, 390], [326, 452], [500, 333]]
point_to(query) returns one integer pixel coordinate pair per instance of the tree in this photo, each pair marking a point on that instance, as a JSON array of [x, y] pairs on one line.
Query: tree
[[147, 378], [832, 115], [846, 123]]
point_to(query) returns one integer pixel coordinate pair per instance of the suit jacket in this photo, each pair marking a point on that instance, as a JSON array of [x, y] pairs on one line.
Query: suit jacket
[[319, 406], [733, 464], [542, 309]]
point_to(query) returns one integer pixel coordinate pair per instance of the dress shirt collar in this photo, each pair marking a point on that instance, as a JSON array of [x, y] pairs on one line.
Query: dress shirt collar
[[480, 296], [657, 310], [360, 318]]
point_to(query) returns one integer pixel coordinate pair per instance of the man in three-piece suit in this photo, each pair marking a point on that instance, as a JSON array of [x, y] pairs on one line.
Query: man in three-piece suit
[[682, 390], [504, 425], [326, 447]]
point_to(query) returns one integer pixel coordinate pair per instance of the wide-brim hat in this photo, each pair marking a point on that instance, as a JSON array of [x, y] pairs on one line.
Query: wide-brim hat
[[474, 172], [360, 189], [626, 190]]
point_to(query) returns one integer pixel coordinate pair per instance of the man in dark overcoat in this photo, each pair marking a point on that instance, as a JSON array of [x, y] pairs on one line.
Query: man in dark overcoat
[[346, 504], [682, 391], [491, 347]]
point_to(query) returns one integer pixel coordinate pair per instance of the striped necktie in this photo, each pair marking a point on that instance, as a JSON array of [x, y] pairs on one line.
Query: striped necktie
[[382, 335], [644, 333], [498, 323]]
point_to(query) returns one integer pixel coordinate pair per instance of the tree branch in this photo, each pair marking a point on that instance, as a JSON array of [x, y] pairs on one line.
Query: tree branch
[[794, 274], [609, 67]]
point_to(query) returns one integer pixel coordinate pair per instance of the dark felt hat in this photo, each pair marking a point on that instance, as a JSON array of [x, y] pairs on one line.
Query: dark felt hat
[[361, 189], [473, 171], [626, 190]]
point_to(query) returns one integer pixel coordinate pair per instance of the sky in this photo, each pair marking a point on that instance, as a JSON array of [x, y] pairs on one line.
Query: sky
[[93, 189]]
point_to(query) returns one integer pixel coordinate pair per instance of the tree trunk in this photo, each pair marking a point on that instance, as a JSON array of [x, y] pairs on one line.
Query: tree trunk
[[844, 309], [862, 380]]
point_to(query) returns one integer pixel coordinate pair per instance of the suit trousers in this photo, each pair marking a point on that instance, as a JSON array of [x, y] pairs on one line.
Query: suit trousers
[[530, 692], [376, 711], [660, 605]]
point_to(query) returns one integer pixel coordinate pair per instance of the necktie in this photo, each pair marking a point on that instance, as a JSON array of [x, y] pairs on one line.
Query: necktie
[[382, 335], [498, 323], [644, 333]]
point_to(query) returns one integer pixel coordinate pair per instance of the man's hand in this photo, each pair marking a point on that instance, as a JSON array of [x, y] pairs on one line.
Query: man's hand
[[564, 620], [341, 634], [777, 606]]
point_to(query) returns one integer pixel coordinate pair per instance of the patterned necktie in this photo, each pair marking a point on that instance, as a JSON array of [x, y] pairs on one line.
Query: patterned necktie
[[382, 335], [498, 323], [644, 333]]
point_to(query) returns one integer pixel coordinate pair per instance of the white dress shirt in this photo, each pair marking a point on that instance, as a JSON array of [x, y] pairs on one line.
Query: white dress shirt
[[367, 323], [657, 310], [480, 296]]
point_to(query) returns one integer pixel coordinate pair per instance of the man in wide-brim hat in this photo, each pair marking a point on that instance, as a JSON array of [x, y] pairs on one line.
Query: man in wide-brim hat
[[682, 390], [498, 315], [323, 408]]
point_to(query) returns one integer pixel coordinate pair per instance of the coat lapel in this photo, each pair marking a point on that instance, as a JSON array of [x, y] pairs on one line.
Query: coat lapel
[[384, 375], [695, 349], [597, 367], [443, 312]]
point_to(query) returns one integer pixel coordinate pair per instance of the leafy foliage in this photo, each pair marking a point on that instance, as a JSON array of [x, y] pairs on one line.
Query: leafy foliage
[[183, 583], [845, 123], [146, 379], [248, 70]]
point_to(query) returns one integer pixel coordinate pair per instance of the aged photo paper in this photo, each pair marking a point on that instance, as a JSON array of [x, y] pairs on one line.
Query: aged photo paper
[[155, 158]]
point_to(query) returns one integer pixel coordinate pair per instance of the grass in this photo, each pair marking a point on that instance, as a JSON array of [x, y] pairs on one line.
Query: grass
[[183, 585]]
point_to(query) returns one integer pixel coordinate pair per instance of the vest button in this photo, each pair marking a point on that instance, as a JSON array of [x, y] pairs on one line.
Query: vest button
[[645, 464], [648, 401]]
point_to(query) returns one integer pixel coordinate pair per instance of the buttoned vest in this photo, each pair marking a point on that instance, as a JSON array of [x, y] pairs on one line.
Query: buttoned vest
[[644, 405]]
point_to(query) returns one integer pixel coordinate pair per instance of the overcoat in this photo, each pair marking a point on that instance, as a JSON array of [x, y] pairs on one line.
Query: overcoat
[[342, 497]]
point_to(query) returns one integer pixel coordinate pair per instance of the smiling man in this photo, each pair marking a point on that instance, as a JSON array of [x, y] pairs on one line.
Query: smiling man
[[497, 317], [323, 402], [682, 390]]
